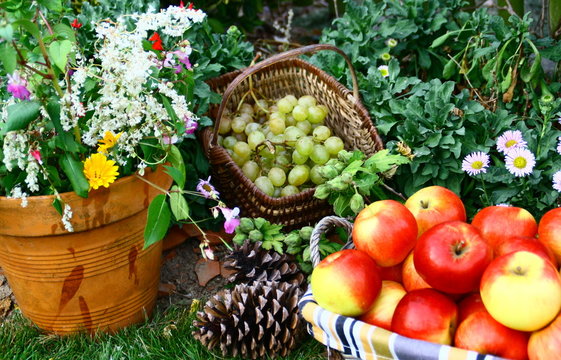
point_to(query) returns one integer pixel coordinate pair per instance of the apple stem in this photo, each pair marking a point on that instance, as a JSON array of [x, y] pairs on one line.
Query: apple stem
[[459, 247], [424, 204]]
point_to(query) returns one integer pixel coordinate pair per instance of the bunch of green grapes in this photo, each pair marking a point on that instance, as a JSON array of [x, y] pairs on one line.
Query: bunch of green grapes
[[282, 145]]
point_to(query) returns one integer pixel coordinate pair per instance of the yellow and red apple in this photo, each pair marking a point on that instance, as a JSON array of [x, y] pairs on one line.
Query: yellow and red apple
[[521, 290], [346, 282], [426, 314], [411, 278], [386, 230], [452, 256], [434, 205], [545, 344], [480, 332], [381, 313], [519, 243], [549, 231], [497, 223]]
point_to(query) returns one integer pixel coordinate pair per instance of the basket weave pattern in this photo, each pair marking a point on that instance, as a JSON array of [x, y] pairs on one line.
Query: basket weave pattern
[[272, 79]]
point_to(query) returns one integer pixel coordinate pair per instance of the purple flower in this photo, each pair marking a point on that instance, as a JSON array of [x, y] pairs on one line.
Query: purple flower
[[475, 163], [169, 61], [166, 139], [232, 219], [183, 58], [206, 189], [520, 162], [190, 125], [509, 140], [18, 87]]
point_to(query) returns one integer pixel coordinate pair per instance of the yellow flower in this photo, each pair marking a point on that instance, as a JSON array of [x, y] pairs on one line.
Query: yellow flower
[[100, 171], [108, 141]]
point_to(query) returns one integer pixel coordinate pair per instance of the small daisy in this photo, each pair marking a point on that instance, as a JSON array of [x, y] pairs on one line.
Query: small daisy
[[206, 189], [475, 163], [520, 161], [557, 181], [384, 70], [559, 144], [510, 140]]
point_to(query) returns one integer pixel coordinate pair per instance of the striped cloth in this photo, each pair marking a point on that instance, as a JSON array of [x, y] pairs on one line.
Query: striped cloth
[[361, 341]]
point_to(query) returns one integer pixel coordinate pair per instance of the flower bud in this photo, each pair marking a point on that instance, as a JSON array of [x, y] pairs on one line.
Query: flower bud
[[338, 184], [356, 203], [328, 172], [239, 239], [306, 232], [255, 235], [246, 225], [293, 239], [344, 155], [322, 192]]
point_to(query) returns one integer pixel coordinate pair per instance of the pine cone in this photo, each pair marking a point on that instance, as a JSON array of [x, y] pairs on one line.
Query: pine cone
[[253, 263], [252, 321]]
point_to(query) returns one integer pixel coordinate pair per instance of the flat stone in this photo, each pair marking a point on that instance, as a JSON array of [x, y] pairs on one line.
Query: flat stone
[[5, 291], [206, 270]]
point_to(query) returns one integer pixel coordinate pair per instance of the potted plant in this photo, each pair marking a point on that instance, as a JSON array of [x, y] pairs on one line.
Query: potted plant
[[90, 129]]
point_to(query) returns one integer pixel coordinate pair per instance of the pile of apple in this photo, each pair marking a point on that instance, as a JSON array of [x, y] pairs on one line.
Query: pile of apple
[[420, 270]]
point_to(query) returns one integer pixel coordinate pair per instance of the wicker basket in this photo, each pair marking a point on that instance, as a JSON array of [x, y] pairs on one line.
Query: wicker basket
[[357, 340], [274, 78]]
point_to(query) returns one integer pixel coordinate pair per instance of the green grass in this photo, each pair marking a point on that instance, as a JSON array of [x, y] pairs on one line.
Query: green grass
[[166, 336]]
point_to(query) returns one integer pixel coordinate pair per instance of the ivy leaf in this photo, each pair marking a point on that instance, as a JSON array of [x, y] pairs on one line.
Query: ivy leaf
[[8, 57], [58, 51], [178, 204], [20, 115], [74, 170], [157, 223], [65, 31]]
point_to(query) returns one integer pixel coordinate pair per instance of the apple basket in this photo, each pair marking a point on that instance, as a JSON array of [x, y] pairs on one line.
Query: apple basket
[[355, 339]]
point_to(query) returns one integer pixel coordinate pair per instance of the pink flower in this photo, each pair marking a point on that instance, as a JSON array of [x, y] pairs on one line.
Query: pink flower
[[190, 125], [18, 87], [37, 155], [166, 139], [232, 219], [183, 58], [75, 24], [207, 190]]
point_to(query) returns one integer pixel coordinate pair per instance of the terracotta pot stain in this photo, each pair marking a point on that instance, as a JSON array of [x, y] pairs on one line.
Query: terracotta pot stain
[[70, 286], [88, 323], [133, 254], [72, 251]]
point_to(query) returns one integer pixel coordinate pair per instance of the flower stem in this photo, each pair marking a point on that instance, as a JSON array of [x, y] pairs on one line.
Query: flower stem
[[487, 202]]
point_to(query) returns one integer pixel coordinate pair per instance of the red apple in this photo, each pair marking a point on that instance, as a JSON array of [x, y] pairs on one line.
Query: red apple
[[545, 344], [346, 282], [480, 332], [386, 230], [500, 222], [549, 231], [521, 290], [426, 314], [470, 304], [519, 243], [411, 278], [392, 273], [434, 205], [452, 256], [381, 313]]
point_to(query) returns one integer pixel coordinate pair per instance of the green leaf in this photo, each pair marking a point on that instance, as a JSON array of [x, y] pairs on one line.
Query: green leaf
[[65, 31], [7, 33], [53, 5], [74, 170], [442, 39], [157, 223], [57, 204], [177, 162], [58, 51], [178, 204], [29, 26], [20, 115], [53, 109], [8, 56], [449, 69], [176, 176]]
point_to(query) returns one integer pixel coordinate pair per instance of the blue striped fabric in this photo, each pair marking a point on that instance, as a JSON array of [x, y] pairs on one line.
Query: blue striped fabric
[[360, 341]]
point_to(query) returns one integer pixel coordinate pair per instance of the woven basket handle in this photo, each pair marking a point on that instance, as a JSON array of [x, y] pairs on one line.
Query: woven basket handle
[[323, 226], [273, 60]]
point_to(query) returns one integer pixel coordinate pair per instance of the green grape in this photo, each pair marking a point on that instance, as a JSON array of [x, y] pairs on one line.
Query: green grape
[[300, 113], [298, 158], [277, 176], [277, 115], [229, 142], [246, 109], [239, 160], [242, 149], [316, 114], [275, 139], [225, 125], [292, 134], [240, 137], [324, 108], [307, 101], [238, 124], [277, 126], [290, 120], [246, 118], [334, 144], [251, 127], [251, 170], [321, 133], [289, 190], [315, 175], [264, 184], [277, 192], [305, 145], [254, 139], [319, 155], [298, 175], [220, 140], [293, 100], [285, 105], [273, 108], [265, 129], [305, 126], [282, 161], [260, 107]]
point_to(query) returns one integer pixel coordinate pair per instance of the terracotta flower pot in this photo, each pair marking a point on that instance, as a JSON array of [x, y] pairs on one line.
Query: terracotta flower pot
[[95, 278]]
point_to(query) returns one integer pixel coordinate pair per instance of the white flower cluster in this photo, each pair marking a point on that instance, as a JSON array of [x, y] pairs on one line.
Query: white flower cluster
[[173, 21], [16, 149], [66, 216], [32, 169], [16, 193], [71, 107]]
